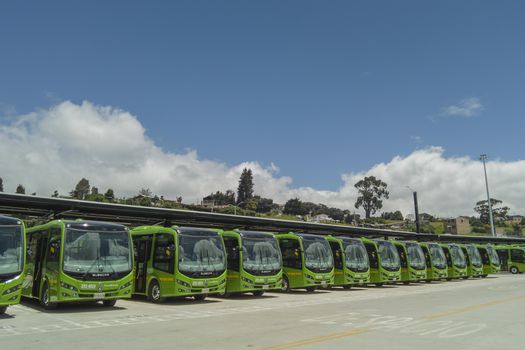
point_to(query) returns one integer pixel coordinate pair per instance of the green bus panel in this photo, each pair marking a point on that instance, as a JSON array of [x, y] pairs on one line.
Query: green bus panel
[[351, 263]]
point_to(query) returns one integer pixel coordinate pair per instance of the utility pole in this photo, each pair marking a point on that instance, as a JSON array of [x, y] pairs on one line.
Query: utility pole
[[416, 209], [483, 158]]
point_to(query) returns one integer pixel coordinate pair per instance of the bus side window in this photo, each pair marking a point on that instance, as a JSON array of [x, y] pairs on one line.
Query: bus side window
[[372, 255], [232, 252], [517, 255], [164, 253], [291, 252]]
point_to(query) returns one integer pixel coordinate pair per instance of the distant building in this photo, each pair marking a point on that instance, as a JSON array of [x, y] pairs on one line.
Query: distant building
[[322, 218], [515, 219], [457, 226]]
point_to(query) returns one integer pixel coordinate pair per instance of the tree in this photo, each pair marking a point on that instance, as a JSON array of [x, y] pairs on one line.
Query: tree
[[20, 189], [145, 192], [110, 196], [55, 194], [81, 189], [220, 198], [397, 215], [1, 185], [371, 191], [94, 190], [294, 207], [245, 188], [499, 213]]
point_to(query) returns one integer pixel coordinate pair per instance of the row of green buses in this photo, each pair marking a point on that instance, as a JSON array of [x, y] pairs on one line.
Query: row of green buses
[[77, 260]]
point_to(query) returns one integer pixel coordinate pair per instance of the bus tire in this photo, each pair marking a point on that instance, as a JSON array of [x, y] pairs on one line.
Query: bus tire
[[45, 299], [347, 286], [3, 309], [310, 289], [514, 270], [484, 276], [258, 293], [200, 297], [406, 282], [379, 284], [154, 294], [109, 303], [286, 284]]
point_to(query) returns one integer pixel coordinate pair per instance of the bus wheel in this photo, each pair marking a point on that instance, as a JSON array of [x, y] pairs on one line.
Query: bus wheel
[[3, 309], [200, 296], [286, 284], [406, 282], [154, 294], [347, 286], [449, 279], [514, 270], [109, 303], [45, 300], [379, 284], [258, 293], [310, 289], [428, 281], [484, 276]]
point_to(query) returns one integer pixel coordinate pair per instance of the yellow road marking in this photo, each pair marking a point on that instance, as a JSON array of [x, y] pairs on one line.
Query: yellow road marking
[[473, 307], [315, 340]]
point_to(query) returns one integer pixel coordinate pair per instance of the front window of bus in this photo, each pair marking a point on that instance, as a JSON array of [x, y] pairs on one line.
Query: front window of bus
[[493, 255], [317, 254], [389, 256], [356, 256], [475, 257], [458, 258], [438, 256], [11, 254], [93, 253], [416, 257], [201, 254], [261, 256]]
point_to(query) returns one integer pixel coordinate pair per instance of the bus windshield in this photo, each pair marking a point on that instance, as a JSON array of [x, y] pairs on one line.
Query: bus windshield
[[475, 257], [317, 254], [438, 256], [98, 253], [11, 254], [458, 258], [261, 255], [416, 257], [493, 255], [356, 256], [389, 256], [201, 254]]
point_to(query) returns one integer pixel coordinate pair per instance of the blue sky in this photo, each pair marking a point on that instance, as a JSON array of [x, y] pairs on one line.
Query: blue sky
[[319, 88]]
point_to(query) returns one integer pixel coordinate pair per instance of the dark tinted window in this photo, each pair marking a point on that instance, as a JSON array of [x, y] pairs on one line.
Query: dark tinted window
[[291, 252], [517, 255], [402, 256], [163, 258], [232, 253], [337, 254], [372, 255]]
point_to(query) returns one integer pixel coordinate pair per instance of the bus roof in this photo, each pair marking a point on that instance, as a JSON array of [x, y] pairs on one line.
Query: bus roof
[[254, 234], [9, 221], [197, 231]]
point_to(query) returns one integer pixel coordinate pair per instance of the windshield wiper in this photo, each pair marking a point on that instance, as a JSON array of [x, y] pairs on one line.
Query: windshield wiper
[[93, 264]]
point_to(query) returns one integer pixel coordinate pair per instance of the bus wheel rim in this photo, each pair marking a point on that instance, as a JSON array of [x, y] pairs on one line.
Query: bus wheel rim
[[46, 296], [155, 292]]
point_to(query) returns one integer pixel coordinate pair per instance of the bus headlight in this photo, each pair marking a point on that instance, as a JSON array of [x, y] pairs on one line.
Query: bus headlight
[[126, 285], [12, 289], [68, 286]]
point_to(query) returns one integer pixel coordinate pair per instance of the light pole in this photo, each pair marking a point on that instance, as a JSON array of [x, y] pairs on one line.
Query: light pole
[[483, 158], [416, 209]]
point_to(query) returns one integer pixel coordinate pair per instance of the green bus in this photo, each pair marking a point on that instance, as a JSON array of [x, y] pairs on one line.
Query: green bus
[[307, 261], [489, 258], [254, 262], [178, 262], [456, 261], [512, 258], [70, 261], [412, 260], [350, 261], [12, 261], [435, 260], [474, 264], [385, 265]]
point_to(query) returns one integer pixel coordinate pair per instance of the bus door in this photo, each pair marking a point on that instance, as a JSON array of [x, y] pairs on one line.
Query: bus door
[[484, 256], [232, 253], [142, 245], [337, 254], [402, 256], [372, 255], [428, 260], [503, 258], [40, 253], [467, 256]]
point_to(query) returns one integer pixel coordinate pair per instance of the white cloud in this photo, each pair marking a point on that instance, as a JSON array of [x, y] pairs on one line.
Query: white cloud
[[53, 148], [467, 107]]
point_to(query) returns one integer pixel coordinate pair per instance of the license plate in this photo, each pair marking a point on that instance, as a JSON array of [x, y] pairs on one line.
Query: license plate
[[205, 290], [99, 295], [265, 286], [324, 284], [395, 278], [361, 281]]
